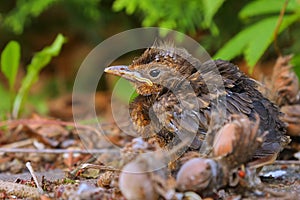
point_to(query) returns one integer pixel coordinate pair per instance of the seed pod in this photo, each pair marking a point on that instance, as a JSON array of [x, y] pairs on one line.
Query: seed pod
[[223, 141], [237, 141], [136, 183], [196, 175]]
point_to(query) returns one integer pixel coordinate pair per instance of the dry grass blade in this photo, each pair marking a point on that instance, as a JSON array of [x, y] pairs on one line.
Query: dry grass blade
[[29, 167]]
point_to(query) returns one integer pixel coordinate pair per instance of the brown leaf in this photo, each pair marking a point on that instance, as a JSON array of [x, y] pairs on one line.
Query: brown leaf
[[284, 82], [292, 118]]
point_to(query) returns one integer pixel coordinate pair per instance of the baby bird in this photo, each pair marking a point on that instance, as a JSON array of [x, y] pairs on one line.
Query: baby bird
[[177, 94]]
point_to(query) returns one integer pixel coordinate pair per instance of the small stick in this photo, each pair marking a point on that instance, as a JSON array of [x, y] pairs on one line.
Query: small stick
[[286, 162], [18, 144], [92, 166], [29, 167], [48, 122]]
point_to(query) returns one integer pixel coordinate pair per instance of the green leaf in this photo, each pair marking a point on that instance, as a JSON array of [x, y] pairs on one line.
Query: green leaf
[[210, 9], [38, 62], [10, 60], [43, 57], [5, 102], [259, 45], [130, 6], [254, 40], [260, 7], [235, 46]]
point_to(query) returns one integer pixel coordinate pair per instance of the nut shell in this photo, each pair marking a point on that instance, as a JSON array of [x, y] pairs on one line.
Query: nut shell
[[237, 141], [194, 175], [223, 141], [135, 183]]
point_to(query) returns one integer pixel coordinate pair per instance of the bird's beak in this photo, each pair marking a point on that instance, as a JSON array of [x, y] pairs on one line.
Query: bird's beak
[[125, 72]]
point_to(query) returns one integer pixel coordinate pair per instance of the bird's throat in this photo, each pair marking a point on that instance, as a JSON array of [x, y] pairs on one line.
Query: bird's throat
[[146, 90]]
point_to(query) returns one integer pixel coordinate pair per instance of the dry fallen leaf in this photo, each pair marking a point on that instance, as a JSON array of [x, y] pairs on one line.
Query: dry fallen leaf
[[292, 118], [284, 82]]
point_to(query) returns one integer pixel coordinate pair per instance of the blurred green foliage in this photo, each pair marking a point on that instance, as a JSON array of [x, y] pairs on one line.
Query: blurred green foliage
[[227, 29], [254, 40], [185, 16], [252, 22], [25, 10], [10, 58]]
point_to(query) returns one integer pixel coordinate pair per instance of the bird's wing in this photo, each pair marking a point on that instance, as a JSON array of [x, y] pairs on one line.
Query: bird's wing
[[252, 103], [239, 103]]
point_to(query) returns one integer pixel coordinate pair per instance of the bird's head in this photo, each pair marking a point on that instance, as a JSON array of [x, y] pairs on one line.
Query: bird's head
[[156, 69]]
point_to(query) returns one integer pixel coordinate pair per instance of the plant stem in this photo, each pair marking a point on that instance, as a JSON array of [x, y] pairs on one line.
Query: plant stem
[[280, 18]]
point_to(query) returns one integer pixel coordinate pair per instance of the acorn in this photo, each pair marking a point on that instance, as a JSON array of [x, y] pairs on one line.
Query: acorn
[[237, 141], [135, 181], [196, 175]]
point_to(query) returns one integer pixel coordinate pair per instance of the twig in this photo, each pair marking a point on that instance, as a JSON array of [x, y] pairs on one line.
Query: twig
[[29, 167], [92, 166], [18, 144], [57, 151], [286, 162], [272, 192], [48, 122], [280, 18]]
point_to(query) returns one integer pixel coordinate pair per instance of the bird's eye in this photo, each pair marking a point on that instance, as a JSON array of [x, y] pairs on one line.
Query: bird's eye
[[154, 72]]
